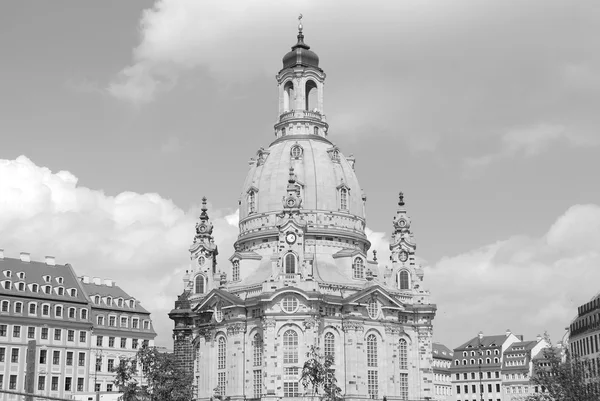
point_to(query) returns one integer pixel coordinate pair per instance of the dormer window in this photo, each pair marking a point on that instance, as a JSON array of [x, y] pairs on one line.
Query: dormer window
[[7, 273], [251, 202], [344, 199], [47, 279], [73, 292], [358, 268], [60, 291], [7, 284], [21, 287], [34, 288], [109, 301], [59, 280], [97, 299], [236, 270], [21, 275], [131, 303], [120, 302], [47, 289]]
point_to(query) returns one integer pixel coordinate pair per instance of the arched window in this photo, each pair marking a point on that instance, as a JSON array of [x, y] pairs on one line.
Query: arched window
[[5, 306], [316, 130], [372, 371], [329, 345], [222, 351], [290, 347], [496, 360], [290, 263], [236, 270], [488, 360], [283, 132], [200, 284], [403, 354], [311, 96], [403, 281], [221, 364], [358, 268], [344, 199], [32, 308], [251, 202], [288, 96], [257, 346], [18, 307]]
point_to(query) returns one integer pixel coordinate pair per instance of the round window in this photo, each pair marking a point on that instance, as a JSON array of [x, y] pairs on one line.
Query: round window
[[296, 151], [289, 304], [201, 261], [373, 309]]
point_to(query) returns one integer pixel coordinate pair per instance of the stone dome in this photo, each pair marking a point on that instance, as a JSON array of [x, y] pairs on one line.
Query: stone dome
[[320, 170]]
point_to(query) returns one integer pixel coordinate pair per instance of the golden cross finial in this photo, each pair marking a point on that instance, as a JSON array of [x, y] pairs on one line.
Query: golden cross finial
[[300, 22]]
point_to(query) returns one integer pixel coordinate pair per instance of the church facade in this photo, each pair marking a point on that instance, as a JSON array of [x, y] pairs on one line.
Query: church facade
[[300, 273]]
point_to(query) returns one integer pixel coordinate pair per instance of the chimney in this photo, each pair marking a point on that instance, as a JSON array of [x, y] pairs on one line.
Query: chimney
[[1, 253], [50, 261], [508, 332], [108, 282], [85, 279], [97, 281], [25, 257], [538, 338]]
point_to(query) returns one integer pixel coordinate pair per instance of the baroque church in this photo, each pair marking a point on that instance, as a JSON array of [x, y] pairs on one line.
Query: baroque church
[[301, 273]]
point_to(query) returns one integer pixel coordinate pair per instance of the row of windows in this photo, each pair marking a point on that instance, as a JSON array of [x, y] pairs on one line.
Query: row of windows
[[41, 383], [479, 361], [123, 342], [123, 322], [110, 364], [465, 376], [585, 346], [44, 333], [45, 289], [343, 195], [487, 352], [119, 302], [21, 276], [490, 388], [33, 308]]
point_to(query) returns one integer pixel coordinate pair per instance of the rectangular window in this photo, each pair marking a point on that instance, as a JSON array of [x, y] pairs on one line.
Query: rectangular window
[[474, 388], [123, 322], [68, 381], [146, 325], [12, 384], [58, 311], [457, 389], [99, 341], [98, 364], [1, 382], [372, 384], [134, 343], [2, 354], [111, 342], [111, 365], [109, 387], [123, 342], [54, 385], [145, 343], [69, 358], [404, 386], [57, 334], [45, 310], [81, 360], [466, 388], [31, 332], [221, 380], [56, 357], [32, 309], [44, 333], [82, 336], [41, 382], [84, 314], [497, 387], [71, 335], [97, 387], [257, 383], [43, 355], [80, 384], [111, 321], [14, 357], [135, 323], [16, 331], [72, 313], [3, 330], [489, 388]]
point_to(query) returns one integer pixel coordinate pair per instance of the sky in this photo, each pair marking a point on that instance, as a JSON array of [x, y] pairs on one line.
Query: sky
[[117, 117]]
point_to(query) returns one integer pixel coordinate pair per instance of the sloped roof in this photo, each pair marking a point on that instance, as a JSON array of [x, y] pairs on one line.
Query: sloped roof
[[115, 292], [34, 274], [440, 351], [486, 341], [516, 347]]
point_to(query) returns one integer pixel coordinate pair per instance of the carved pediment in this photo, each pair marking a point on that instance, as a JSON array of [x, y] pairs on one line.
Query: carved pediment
[[374, 292], [218, 297]]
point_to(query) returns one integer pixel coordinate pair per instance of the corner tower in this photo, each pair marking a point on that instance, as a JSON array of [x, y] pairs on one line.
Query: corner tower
[[300, 274]]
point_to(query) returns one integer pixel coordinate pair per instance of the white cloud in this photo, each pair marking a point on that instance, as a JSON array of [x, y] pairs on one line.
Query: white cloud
[[529, 141], [529, 285], [139, 240]]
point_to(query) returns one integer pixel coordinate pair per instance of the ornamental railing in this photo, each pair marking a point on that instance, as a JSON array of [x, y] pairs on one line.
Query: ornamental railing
[[296, 114]]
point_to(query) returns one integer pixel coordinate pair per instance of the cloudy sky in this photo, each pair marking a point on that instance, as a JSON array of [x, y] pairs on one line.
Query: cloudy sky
[[117, 117]]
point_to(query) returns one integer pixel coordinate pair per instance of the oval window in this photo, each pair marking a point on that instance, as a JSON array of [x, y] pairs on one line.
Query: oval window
[[289, 304]]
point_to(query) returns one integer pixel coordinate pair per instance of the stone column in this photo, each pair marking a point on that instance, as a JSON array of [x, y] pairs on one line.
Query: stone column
[[270, 367], [355, 365], [236, 357]]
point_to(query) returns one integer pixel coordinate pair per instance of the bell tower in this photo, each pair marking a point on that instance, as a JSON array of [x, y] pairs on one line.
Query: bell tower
[[300, 83]]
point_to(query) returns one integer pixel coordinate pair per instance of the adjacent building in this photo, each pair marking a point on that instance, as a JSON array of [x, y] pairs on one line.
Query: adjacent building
[[48, 327], [494, 368], [442, 377], [120, 327], [301, 274], [584, 333]]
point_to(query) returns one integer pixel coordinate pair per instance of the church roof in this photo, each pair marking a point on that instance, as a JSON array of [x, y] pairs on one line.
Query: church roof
[[300, 55]]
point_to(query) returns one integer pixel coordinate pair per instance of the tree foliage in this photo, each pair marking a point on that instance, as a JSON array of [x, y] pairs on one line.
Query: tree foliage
[[318, 375], [164, 380], [560, 376]]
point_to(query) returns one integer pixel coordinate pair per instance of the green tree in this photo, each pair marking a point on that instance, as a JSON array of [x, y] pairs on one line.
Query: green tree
[[319, 375], [560, 376], [164, 379]]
